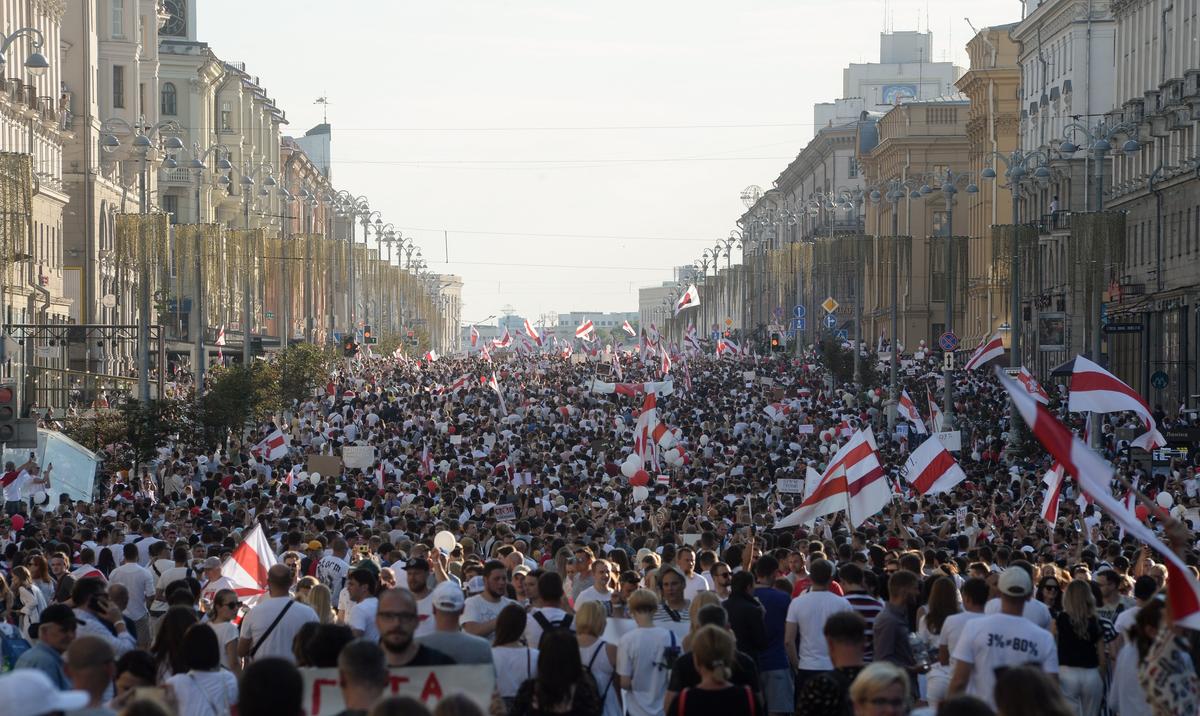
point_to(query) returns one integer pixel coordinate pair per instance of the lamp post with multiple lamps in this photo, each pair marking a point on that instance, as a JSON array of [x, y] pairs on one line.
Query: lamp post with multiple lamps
[[198, 167], [1099, 140], [948, 183], [250, 174], [162, 136], [352, 207]]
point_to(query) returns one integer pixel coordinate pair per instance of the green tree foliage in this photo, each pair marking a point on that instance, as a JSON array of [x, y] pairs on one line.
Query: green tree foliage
[[236, 395], [302, 368]]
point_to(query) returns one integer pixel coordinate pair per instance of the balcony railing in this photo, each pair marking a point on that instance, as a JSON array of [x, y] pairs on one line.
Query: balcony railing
[[1057, 221], [179, 175]]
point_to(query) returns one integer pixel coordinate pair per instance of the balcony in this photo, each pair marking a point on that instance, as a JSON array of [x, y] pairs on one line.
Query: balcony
[[1058, 222], [176, 177]]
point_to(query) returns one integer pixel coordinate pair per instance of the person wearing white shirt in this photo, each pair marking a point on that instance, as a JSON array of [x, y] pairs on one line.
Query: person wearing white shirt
[[693, 583], [363, 585], [645, 656], [271, 626], [481, 610], [1001, 640], [974, 594], [332, 569], [139, 582], [804, 629], [1034, 610], [604, 577]]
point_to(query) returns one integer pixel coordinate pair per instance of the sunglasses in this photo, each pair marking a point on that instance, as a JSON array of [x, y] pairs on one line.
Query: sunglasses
[[234, 605]]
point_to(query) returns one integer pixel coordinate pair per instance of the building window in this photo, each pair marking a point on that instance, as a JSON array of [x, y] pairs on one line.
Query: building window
[[118, 18], [118, 87], [170, 206], [226, 117], [141, 106], [940, 226], [937, 272], [169, 97], [853, 171]]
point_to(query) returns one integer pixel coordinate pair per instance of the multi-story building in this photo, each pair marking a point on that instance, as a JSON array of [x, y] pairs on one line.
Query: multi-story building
[[607, 325], [446, 335]]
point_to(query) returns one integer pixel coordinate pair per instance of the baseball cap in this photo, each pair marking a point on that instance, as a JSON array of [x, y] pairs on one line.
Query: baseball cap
[[38, 694], [417, 563], [475, 585], [1015, 582], [447, 597], [315, 544], [212, 563]]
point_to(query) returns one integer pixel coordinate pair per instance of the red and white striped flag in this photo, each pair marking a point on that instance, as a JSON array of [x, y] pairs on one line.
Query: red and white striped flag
[[532, 332], [907, 410], [495, 385], [936, 421], [725, 345], [628, 329], [1027, 381], [503, 341], [689, 299], [824, 494], [247, 567], [425, 469], [220, 343], [1054, 478], [1096, 390], [431, 356], [485, 354], [474, 336], [666, 364], [931, 469], [988, 349], [1094, 477], [272, 447], [584, 330]]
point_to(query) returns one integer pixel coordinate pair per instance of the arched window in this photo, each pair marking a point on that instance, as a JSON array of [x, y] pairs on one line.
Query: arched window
[[169, 96]]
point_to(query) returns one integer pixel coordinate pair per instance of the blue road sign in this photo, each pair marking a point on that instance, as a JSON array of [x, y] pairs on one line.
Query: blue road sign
[[842, 334], [829, 320], [948, 341], [799, 311], [1159, 380], [715, 335], [798, 324], [337, 336], [792, 334]]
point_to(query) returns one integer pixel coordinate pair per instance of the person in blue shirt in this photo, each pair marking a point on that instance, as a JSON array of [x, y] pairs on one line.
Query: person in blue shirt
[[774, 672], [55, 632]]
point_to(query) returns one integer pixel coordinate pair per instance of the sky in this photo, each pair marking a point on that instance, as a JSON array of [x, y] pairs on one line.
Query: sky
[[560, 154]]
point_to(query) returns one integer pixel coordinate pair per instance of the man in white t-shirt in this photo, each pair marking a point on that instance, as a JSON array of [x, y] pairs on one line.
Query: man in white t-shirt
[[214, 581], [547, 612], [1034, 610], [644, 657], [1001, 640], [271, 626], [416, 574], [481, 610], [693, 583], [363, 585], [974, 595], [332, 569], [139, 583], [603, 577], [805, 625]]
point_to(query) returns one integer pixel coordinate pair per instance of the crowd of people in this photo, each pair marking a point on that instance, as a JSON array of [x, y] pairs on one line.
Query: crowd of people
[[496, 529]]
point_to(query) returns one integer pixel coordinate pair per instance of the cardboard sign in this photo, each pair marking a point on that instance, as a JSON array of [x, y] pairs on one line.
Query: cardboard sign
[[429, 685], [456, 440], [951, 440], [506, 512], [807, 429], [790, 485], [324, 464], [358, 456], [960, 513]]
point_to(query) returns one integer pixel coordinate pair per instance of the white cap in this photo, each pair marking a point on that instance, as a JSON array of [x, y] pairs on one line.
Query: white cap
[[1015, 582], [38, 695]]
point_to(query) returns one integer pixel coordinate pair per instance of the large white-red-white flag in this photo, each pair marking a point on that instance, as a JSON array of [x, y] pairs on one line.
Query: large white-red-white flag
[[1094, 477], [906, 409], [821, 497], [272, 447], [988, 349], [666, 364], [1096, 390], [585, 330], [431, 356], [628, 329], [474, 336], [532, 332], [856, 471], [644, 444], [689, 299], [1027, 381], [932, 470], [1054, 478], [503, 341], [247, 567], [936, 420], [725, 345]]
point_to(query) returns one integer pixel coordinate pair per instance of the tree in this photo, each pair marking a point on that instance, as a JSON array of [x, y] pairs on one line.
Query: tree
[[301, 369], [151, 424], [236, 395]]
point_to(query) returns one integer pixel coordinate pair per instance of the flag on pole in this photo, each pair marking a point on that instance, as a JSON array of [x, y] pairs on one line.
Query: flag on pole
[[666, 364], [532, 332], [689, 299], [824, 494], [936, 421], [1095, 389], [907, 410], [1027, 381], [425, 469], [503, 341], [988, 349], [247, 567], [932, 470], [584, 330], [272, 447], [220, 343], [725, 345], [474, 336], [1094, 477], [1054, 478], [495, 385], [431, 356], [628, 329]]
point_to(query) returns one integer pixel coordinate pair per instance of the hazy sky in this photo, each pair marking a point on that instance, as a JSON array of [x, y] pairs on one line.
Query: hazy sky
[[571, 151]]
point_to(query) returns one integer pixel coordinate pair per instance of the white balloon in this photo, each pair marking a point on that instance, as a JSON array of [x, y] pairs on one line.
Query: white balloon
[[314, 477], [640, 493], [444, 542], [629, 469], [703, 440], [1164, 499]]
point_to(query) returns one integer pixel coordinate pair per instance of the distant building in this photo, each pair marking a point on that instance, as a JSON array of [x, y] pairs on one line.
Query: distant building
[[604, 322]]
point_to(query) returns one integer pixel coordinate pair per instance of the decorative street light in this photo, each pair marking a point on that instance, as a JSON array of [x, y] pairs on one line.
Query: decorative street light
[[36, 62], [249, 174], [352, 207], [197, 165]]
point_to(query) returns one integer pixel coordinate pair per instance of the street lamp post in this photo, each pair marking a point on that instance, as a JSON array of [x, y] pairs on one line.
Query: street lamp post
[[198, 166], [949, 186], [249, 174], [352, 207], [146, 139]]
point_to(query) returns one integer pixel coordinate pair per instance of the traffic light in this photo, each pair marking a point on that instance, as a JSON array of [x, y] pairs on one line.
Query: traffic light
[[369, 337], [349, 347], [777, 345], [8, 413]]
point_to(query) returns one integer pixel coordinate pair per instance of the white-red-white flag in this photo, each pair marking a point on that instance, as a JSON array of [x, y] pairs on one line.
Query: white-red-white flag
[[425, 467], [1027, 381], [532, 332], [666, 364], [936, 420], [725, 345], [247, 567], [1096, 390], [272, 447], [1094, 477], [987, 350], [628, 329], [866, 481], [503, 341], [932, 470], [777, 411], [689, 299], [824, 494], [584, 330], [495, 386], [644, 444], [431, 356], [220, 342], [1054, 478], [474, 336], [906, 409]]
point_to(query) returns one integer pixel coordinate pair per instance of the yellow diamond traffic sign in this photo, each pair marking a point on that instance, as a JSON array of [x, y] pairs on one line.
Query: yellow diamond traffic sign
[[830, 305]]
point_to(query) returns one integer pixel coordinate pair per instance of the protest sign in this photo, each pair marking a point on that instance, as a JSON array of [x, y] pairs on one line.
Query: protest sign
[[358, 456], [429, 685]]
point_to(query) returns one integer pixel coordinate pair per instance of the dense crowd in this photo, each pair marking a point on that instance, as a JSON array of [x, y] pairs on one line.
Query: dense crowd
[[497, 527]]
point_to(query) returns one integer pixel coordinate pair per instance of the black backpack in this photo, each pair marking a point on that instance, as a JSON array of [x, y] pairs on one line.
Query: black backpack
[[563, 624]]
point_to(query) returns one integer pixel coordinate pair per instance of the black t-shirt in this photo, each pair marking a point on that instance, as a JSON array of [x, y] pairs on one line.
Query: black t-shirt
[[430, 657], [733, 700], [1073, 651], [684, 674]]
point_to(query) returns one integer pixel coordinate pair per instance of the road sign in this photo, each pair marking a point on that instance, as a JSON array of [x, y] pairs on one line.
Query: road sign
[[715, 335], [728, 321], [798, 324], [799, 311], [269, 315], [830, 305], [1123, 328], [829, 320], [791, 334], [948, 341], [1159, 380], [842, 334], [948, 361]]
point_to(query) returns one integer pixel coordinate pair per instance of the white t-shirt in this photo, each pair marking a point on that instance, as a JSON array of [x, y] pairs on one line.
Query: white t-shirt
[[139, 582], [1034, 611], [514, 664], [362, 617], [226, 632], [999, 640], [695, 584], [533, 630], [592, 595], [479, 610], [640, 656], [425, 623], [808, 612], [201, 693], [279, 641], [332, 572], [209, 592], [952, 629]]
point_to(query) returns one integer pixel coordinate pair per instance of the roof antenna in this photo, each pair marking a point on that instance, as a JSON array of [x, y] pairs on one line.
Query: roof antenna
[[324, 102]]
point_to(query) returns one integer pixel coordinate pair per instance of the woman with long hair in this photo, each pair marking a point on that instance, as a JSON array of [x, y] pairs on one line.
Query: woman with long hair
[[168, 646], [599, 657], [943, 602], [29, 600], [701, 600], [321, 601], [39, 568], [562, 687], [224, 610], [515, 662], [1028, 691], [713, 654], [1049, 592], [1081, 652], [203, 688]]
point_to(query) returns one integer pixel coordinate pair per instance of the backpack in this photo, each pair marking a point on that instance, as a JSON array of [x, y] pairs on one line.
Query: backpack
[[563, 624]]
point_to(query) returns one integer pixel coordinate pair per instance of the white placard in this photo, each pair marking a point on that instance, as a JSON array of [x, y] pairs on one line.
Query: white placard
[[506, 512], [358, 456], [790, 485], [951, 440], [456, 440], [807, 429]]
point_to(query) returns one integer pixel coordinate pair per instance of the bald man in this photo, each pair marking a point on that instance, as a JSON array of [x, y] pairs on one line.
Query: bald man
[[270, 627]]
